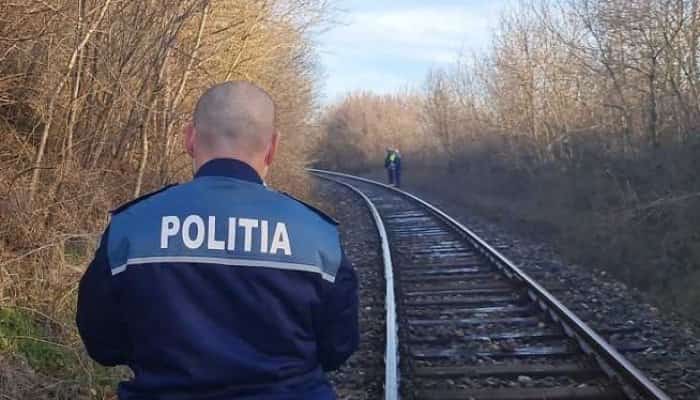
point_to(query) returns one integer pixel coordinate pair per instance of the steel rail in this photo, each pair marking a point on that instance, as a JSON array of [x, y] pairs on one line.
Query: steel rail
[[391, 356], [612, 362]]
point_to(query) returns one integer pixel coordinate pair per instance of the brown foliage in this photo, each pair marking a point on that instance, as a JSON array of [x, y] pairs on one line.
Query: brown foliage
[[580, 113], [93, 96], [357, 130]]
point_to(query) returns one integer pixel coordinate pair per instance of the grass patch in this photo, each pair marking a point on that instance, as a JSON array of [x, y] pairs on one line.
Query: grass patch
[[67, 369], [20, 333]]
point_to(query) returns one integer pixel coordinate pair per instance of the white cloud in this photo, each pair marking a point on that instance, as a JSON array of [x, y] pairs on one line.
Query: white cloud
[[411, 32], [374, 80], [388, 46], [419, 26]]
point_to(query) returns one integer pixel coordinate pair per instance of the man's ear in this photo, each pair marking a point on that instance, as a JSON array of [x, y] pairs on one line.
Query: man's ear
[[272, 150], [189, 135]]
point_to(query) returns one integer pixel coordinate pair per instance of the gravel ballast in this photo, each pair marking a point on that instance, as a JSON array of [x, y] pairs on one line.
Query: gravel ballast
[[362, 377], [669, 344]]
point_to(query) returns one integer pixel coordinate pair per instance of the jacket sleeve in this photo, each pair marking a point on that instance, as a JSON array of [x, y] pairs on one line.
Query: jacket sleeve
[[98, 317], [340, 335]]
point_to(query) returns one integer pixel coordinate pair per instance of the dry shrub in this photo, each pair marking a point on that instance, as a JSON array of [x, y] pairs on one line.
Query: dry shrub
[[357, 130], [577, 114], [93, 97]]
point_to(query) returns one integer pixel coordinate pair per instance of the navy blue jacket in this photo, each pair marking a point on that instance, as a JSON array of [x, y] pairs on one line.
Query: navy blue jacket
[[220, 289]]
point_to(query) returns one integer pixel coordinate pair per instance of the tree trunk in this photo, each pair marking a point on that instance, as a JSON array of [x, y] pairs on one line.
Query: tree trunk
[[652, 112], [180, 93], [54, 97], [76, 91], [144, 158]]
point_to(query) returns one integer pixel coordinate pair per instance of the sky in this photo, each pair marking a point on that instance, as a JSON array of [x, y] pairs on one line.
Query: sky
[[384, 45]]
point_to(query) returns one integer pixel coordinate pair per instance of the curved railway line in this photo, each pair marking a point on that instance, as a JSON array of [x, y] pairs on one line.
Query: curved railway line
[[463, 322]]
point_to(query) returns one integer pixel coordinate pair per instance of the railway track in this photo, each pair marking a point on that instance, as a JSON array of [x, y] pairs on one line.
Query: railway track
[[463, 322]]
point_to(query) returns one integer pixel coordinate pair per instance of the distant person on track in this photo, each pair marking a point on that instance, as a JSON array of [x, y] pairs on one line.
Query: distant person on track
[[387, 167], [397, 169], [221, 288], [392, 164]]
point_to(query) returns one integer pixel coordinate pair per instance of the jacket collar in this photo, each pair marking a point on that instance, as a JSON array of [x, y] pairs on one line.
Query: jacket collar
[[231, 168]]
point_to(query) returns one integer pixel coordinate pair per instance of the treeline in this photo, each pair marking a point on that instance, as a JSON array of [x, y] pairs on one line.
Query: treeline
[[356, 130], [93, 96], [582, 116]]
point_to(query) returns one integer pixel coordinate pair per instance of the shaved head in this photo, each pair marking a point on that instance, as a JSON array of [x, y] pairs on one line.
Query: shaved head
[[233, 120], [235, 115]]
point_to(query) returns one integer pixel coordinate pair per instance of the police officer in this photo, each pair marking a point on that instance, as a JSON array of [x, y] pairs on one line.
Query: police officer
[[389, 165], [397, 167], [392, 163], [221, 288]]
